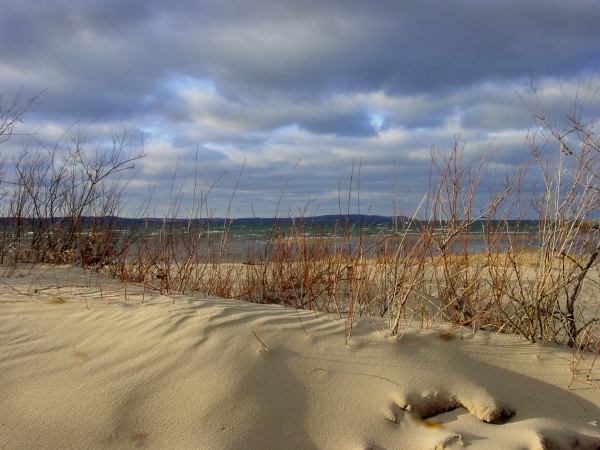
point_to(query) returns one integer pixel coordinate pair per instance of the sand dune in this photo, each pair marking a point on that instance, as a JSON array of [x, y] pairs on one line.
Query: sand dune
[[84, 363]]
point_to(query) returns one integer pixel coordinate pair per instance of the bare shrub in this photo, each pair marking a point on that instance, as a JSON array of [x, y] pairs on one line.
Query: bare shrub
[[63, 201]]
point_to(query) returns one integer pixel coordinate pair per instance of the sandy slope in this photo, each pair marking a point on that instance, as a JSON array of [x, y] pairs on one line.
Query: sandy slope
[[103, 370]]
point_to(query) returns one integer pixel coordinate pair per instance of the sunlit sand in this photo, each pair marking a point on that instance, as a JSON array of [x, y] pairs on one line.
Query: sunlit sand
[[87, 365]]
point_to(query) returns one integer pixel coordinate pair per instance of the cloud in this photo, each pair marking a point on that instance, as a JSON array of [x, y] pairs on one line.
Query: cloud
[[217, 84]]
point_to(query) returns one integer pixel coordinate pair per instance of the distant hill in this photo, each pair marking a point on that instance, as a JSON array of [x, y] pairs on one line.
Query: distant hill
[[351, 218], [125, 222], [330, 218]]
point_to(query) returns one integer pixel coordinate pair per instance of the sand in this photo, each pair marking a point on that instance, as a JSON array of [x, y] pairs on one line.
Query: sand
[[85, 364]]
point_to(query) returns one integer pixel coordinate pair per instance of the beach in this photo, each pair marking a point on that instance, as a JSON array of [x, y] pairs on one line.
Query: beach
[[89, 362]]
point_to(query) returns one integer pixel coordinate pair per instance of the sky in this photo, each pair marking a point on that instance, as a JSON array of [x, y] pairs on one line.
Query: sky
[[330, 92]]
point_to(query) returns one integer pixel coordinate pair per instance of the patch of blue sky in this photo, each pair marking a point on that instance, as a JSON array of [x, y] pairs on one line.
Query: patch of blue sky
[[155, 131], [184, 83], [288, 129], [379, 119]]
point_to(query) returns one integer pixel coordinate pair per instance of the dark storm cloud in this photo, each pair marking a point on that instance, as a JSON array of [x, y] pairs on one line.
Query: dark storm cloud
[[272, 83], [400, 46], [341, 117], [124, 50], [343, 125]]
